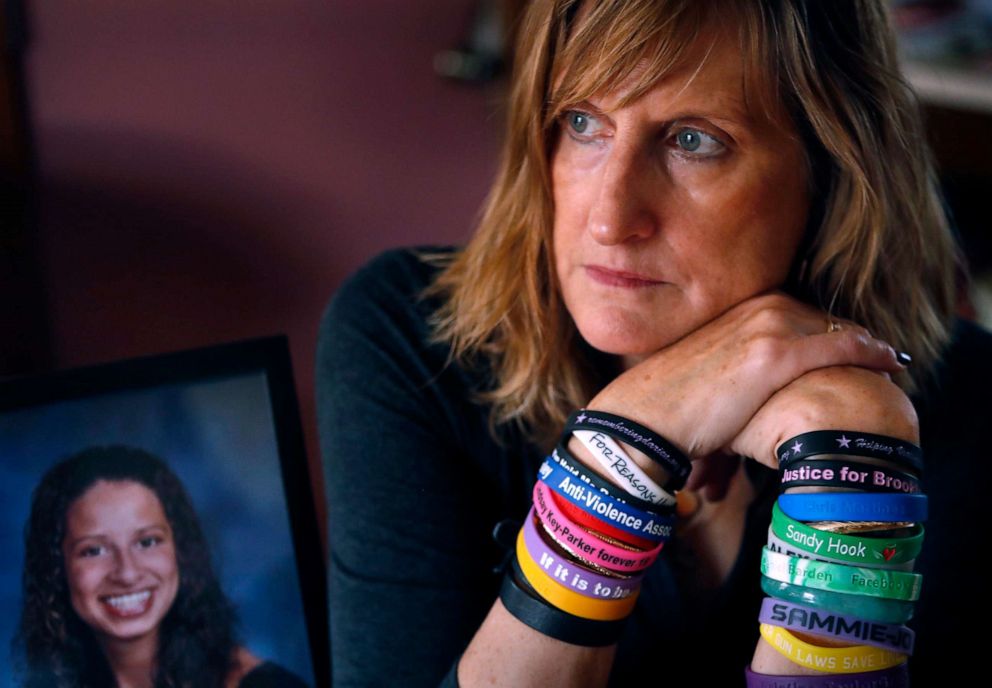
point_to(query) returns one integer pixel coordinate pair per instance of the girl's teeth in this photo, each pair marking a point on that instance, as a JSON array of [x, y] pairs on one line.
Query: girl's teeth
[[131, 601]]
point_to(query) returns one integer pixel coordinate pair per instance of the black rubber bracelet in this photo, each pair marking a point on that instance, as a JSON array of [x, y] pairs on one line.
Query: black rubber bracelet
[[551, 621], [865, 477], [904, 454], [661, 451], [567, 461]]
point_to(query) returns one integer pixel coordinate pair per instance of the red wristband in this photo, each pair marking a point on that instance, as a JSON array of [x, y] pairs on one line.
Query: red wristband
[[587, 520]]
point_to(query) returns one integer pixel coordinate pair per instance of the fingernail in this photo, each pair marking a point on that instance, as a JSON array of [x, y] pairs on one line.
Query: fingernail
[[903, 358], [688, 503]]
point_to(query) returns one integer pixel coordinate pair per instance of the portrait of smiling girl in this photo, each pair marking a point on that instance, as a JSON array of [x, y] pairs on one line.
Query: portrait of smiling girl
[[118, 586], [121, 564], [715, 227]]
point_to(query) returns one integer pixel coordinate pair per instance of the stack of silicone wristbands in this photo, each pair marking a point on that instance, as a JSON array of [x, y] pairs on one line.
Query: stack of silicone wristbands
[[586, 542], [839, 564]]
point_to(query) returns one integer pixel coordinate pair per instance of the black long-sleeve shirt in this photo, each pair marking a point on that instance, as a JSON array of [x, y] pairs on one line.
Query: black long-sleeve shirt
[[416, 484]]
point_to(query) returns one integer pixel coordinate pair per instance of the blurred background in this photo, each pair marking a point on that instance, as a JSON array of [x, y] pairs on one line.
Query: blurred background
[[175, 174]]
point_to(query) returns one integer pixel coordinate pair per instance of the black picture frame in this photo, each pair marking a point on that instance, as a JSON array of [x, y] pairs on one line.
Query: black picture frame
[[239, 361]]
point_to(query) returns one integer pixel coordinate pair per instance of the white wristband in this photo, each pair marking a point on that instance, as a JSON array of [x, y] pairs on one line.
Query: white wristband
[[614, 459]]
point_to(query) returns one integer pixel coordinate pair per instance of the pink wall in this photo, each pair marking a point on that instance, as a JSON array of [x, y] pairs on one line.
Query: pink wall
[[211, 170]]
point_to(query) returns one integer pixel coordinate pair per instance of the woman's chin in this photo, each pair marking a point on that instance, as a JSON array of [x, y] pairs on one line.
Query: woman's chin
[[632, 343]]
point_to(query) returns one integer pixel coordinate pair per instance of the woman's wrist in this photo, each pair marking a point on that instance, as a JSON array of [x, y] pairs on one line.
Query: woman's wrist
[[598, 521], [807, 451], [638, 437], [649, 467]]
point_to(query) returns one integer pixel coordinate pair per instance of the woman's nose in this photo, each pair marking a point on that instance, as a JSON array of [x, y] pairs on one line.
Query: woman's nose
[[622, 210], [125, 568]]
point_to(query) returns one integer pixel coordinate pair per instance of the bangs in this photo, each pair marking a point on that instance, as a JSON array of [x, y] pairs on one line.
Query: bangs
[[636, 43]]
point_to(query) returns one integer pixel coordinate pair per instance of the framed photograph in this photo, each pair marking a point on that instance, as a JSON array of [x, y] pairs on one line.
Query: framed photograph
[[223, 423]]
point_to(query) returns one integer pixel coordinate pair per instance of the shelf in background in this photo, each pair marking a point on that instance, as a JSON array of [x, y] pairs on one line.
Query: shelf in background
[[951, 87]]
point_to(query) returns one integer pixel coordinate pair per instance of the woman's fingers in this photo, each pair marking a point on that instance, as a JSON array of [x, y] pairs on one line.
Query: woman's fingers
[[852, 346]]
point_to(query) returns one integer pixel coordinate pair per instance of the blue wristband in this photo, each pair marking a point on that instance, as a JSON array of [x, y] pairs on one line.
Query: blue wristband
[[604, 507], [854, 506]]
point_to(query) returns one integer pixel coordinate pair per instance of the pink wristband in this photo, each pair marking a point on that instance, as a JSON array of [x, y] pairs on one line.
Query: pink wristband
[[584, 545], [571, 575]]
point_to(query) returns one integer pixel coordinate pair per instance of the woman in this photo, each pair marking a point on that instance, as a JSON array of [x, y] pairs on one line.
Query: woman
[[118, 585], [701, 208]]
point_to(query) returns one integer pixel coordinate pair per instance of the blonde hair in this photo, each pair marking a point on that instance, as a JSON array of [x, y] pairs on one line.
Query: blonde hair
[[878, 248]]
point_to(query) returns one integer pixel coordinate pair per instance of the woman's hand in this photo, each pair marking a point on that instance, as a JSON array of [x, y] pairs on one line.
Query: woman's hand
[[701, 391], [840, 398]]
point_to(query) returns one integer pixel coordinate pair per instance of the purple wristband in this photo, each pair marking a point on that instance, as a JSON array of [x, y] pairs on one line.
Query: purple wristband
[[796, 617], [570, 575], [896, 677]]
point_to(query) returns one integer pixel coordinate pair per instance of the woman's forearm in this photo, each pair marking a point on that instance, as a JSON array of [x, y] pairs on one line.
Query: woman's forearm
[[506, 652]]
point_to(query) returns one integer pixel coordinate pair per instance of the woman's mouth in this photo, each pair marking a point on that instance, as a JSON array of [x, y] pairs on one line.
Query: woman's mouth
[[618, 278], [129, 605]]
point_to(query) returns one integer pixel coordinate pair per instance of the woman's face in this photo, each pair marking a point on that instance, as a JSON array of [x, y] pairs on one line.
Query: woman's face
[[674, 208], [120, 560]]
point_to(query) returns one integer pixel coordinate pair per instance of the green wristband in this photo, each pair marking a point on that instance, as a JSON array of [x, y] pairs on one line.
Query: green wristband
[[866, 551], [851, 580], [861, 606]]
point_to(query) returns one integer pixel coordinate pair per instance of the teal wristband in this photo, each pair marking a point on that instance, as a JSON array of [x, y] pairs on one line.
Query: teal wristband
[[865, 551], [777, 544], [870, 608], [852, 580]]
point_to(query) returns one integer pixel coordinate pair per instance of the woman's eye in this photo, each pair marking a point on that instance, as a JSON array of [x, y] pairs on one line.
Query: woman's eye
[[91, 551], [698, 143], [581, 125], [149, 541]]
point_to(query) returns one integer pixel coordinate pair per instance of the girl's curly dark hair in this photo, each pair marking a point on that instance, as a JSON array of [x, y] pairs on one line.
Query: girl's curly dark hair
[[55, 647]]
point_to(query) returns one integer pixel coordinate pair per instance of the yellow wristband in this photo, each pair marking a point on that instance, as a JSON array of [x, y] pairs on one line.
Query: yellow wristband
[[569, 600], [832, 660]]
